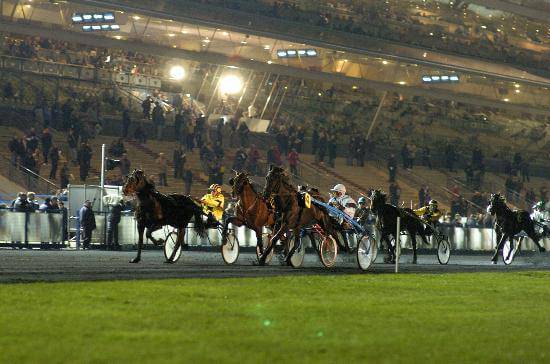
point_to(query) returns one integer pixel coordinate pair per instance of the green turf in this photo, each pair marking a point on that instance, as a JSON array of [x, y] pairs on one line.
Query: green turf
[[457, 318]]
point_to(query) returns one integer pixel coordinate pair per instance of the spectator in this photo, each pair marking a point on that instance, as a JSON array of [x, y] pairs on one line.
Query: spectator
[[162, 164], [188, 181], [116, 149], [126, 121], [253, 158], [115, 207], [178, 160], [293, 159], [46, 140], [146, 107], [331, 146], [84, 157], [427, 157], [395, 193], [392, 168], [64, 176], [274, 156], [72, 141], [139, 134], [178, 123], [21, 204], [87, 224], [31, 202], [530, 197], [450, 157], [54, 158], [67, 113], [240, 160], [158, 119], [124, 165], [243, 132], [524, 171], [46, 206]]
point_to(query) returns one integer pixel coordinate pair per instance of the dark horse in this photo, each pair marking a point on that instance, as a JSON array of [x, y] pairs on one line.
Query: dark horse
[[293, 215], [386, 223], [155, 210], [509, 223], [251, 209]]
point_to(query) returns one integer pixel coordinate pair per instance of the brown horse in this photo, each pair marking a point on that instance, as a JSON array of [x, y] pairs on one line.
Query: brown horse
[[155, 210], [292, 214], [251, 209]]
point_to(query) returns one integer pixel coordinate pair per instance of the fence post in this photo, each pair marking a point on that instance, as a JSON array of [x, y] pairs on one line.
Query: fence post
[[397, 245]]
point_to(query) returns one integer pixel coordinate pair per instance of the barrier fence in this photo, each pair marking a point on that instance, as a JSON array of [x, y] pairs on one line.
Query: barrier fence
[[50, 228]]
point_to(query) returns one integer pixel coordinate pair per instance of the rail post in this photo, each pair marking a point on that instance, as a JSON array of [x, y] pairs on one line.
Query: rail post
[[397, 245]]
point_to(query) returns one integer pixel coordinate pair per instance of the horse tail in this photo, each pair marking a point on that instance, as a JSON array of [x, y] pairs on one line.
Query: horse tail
[[200, 224]]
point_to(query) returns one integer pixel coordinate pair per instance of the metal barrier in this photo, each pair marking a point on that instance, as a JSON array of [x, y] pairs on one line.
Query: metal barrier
[[31, 227], [77, 72], [36, 227]]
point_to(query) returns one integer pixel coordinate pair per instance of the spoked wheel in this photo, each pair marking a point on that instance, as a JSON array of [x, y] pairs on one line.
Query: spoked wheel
[[297, 257], [266, 244], [443, 249], [366, 250], [328, 251], [170, 245], [230, 246]]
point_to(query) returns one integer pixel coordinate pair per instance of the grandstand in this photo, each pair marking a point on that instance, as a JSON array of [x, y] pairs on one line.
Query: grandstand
[[498, 105]]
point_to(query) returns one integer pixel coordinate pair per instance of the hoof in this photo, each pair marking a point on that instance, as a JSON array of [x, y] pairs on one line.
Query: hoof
[[542, 249], [168, 261], [135, 260], [493, 261], [413, 261]]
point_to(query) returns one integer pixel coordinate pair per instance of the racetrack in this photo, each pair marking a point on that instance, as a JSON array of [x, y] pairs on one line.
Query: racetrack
[[71, 265]]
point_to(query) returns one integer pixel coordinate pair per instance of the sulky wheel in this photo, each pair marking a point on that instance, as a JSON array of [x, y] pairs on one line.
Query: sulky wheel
[[230, 246], [328, 251], [443, 249], [366, 250], [296, 258], [266, 243], [170, 245]]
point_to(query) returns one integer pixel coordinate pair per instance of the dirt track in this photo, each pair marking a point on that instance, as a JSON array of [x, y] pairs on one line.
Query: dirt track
[[69, 265]]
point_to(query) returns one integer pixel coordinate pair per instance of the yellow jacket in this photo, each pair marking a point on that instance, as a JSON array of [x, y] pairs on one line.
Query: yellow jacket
[[214, 204], [423, 211]]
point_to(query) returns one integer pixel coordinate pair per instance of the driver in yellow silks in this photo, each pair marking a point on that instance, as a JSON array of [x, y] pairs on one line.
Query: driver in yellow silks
[[212, 203], [429, 214]]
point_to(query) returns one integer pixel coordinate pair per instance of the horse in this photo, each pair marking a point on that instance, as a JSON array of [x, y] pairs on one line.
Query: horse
[[509, 223], [293, 215], [386, 223], [251, 209], [155, 210]]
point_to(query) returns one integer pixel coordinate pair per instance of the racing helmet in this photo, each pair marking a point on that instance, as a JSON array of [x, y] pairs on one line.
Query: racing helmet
[[432, 204], [539, 206], [362, 199], [215, 188], [339, 188]]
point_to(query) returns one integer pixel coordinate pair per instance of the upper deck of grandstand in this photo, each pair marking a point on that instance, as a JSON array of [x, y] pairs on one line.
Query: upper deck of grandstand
[[172, 31]]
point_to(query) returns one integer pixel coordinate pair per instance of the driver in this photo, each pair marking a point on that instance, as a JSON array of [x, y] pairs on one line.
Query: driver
[[429, 214], [541, 216], [342, 201], [213, 202]]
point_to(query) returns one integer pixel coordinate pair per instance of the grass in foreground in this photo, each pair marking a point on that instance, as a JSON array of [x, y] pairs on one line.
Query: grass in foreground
[[486, 317]]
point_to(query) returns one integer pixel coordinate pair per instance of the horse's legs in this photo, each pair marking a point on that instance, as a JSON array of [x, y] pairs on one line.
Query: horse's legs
[[499, 247], [271, 246], [141, 228], [413, 241], [149, 235], [390, 250]]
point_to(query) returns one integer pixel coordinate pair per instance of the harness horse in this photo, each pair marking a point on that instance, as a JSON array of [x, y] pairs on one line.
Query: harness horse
[[155, 210], [508, 224]]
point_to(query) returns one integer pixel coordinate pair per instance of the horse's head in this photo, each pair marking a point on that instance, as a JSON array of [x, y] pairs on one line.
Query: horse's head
[[496, 202], [238, 182], [274, 180], [135, 182], [377, 199]]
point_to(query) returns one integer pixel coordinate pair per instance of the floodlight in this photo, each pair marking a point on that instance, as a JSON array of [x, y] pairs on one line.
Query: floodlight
[[311, 52], [291, 53], [115, 27], [281, 53], [96, 27], [105, 27], [231, 84], [454, 78], [109, 16], [426, 79], [87, 17], [98, 17], [77, 18], [436, 78], [301, 52], [87, 28], [177, 73]]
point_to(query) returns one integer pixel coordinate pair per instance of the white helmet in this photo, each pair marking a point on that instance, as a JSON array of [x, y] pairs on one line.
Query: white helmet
[[339, 188]]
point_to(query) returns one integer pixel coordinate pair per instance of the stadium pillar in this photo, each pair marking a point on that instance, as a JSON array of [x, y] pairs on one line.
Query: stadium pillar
[[376, 114], [269, 97], [397, 245], [102, 181]]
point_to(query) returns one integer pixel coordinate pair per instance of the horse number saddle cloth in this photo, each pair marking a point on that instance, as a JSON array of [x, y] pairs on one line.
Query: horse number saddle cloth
[[304, 199]]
